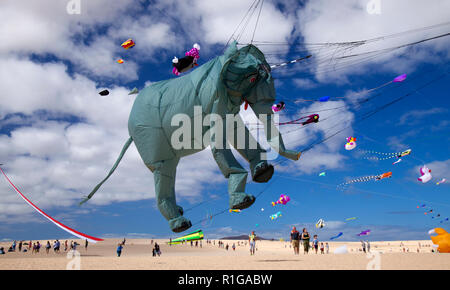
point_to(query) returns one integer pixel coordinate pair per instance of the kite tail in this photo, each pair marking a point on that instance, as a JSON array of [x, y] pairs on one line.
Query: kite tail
[[124, 149]]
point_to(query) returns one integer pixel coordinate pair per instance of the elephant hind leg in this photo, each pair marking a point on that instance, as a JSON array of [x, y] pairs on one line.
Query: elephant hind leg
[[164, 176]]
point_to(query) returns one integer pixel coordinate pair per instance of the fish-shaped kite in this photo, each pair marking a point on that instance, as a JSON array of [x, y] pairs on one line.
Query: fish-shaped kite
[[442, 239], [282, 200], [275, 215], [384, 175]]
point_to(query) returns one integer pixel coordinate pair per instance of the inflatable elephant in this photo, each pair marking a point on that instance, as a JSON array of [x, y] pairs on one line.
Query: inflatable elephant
[[214, 90]]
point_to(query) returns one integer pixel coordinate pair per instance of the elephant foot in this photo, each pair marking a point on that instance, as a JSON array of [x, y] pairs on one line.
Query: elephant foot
[[179, 224], [241, 200], [263, 172]]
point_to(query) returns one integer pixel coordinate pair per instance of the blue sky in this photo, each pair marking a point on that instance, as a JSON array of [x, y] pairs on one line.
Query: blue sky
[[58, 137]]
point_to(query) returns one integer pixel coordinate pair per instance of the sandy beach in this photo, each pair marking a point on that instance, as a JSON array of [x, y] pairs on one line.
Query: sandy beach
[[270, 255]]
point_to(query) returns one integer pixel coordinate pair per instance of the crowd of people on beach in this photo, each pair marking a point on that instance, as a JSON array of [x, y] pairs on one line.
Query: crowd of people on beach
[[35, 247]]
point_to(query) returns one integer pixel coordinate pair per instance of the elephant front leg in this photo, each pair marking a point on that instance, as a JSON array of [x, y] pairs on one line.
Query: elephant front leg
[[164, 177], [237, 178], [251, 150]]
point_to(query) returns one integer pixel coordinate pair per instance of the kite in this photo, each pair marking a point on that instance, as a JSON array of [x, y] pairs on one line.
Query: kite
[[367, 178], [128, 43], [133, 91], [384, 175], [442, 239], [337, 236], [430, 211], [278, 107], [104, 93], [425, 174], [351, 143], [350, 219], [399, 160], [57, 223], [341, 250], [364, 233], [445, 220], [442, 181], [120, 60], [310, 119], [423, 205], [387, 155], [217, 88], [262, 209], [234, 210], [194, 236], [400, 78], [320, 224], [282, 200], [186, 63], [322, 174], [275, 215]]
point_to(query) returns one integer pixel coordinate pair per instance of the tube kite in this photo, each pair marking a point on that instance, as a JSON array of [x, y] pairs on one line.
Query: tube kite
[[425, 174], [442, 239], [364, 233], [442, 181], [275, 216], [337, 236], [59, 224], [282, 200], [367, 178], [350, 219], [234, 210], [322, 173], [384, 156], [194, 236]]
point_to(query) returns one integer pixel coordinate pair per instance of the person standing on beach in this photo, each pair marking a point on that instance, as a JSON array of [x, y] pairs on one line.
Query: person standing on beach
[[305, 239], [321, 248], [119, 249], [316, 243], [47, 247], [368, 246], [295, 240], [20, 246], [363, 245], [327, 247], [65, 246], [252, 241]]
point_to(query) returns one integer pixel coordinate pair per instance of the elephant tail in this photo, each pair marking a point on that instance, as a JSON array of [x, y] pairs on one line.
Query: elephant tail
[[124, 149]]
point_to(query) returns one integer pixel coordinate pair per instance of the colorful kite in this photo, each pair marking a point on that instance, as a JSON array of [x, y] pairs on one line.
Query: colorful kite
[[320, 224], [350, 219], [194, 236], [282, 200], [425, 174], [235, 210], [322, 173], [442, 239], [314, 118], [120, 60], [128, 43], [278, 107], [186, 63], [367, 178], [386, 155], [275, 215], [337, 236], [351, 143], [399, 160], [442, 181], [364, 233], [57, 223]]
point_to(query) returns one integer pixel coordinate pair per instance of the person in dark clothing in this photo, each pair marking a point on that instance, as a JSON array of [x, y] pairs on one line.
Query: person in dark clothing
[[295, 240]]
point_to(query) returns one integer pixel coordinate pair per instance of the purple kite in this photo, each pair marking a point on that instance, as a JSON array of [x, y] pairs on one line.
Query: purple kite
[[400, 78], [364, 233]]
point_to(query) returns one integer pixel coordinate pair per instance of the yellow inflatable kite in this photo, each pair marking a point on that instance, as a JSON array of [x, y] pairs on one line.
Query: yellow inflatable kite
[[442, 239]]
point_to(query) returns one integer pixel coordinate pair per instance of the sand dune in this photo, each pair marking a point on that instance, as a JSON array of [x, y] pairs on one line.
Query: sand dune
[[270, 255]]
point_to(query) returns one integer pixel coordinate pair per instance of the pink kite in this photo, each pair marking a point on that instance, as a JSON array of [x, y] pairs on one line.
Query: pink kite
[[282, 200], [62, 226], [400, 78]]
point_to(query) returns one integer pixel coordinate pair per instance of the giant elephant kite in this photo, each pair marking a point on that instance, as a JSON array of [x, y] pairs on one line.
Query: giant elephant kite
[[215, 89]]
